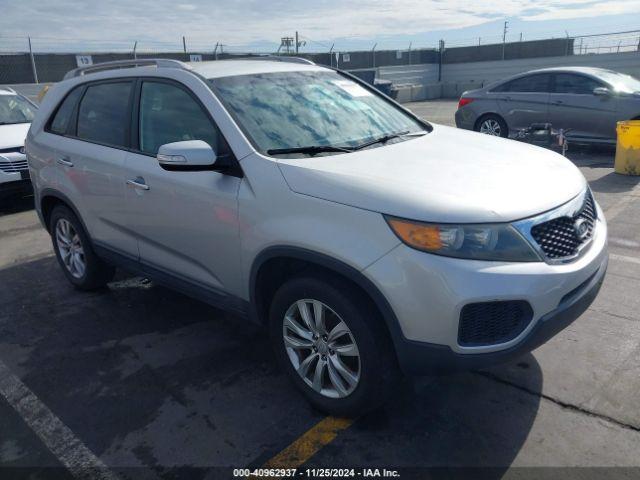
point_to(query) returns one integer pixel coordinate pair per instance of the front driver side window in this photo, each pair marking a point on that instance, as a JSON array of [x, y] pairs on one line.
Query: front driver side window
[[169, 114], [576, 84]]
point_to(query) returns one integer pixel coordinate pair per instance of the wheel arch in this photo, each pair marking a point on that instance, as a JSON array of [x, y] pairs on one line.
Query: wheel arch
[[273, 265], [476, 125], [49, 199]]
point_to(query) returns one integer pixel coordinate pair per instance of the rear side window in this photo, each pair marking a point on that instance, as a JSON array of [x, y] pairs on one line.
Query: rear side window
[[60, 121], [576, 84], [103, 115], [528, 84], [169, 114]]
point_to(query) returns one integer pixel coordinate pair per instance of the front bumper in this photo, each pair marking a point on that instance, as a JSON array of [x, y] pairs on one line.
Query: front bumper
[[418, 358], [428, 292]]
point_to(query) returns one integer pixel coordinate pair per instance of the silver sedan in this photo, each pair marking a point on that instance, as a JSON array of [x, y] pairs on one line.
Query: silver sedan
[[586, 101]]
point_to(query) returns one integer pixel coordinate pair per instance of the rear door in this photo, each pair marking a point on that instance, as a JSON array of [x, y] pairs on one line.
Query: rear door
[[574, 106], [92, 126], [524, 100], [186, 221]]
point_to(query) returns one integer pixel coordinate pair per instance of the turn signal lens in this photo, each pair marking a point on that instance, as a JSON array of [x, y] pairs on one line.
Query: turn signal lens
[[423, 237]]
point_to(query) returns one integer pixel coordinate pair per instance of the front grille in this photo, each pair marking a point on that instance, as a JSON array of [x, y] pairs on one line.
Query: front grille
[[12, 166], [490, 323], [559, 238], [12, 150]]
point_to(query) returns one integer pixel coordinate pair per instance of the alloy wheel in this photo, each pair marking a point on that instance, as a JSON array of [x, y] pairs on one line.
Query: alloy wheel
[[70, 248], [321, 348], [491, 127]]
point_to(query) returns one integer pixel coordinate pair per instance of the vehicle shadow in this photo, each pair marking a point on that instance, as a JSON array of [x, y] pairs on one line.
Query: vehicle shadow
[[15, 204], [469, 425], [614, 183], [150, 379]]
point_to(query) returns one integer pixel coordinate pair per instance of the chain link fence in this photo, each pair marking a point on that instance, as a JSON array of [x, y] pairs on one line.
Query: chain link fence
[[43, 59]]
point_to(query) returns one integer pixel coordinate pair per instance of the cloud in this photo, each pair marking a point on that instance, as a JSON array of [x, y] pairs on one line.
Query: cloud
[[159, 24]]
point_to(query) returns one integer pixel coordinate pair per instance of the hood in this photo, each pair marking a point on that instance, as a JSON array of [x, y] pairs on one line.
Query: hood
[[448, 175], [13, 135]]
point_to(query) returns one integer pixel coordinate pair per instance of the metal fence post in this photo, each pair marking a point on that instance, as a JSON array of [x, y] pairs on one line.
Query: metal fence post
[[33, 63]]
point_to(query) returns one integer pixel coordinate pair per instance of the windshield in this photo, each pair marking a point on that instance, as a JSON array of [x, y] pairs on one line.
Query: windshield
[[15, 109], [621, 82], [301, 109]]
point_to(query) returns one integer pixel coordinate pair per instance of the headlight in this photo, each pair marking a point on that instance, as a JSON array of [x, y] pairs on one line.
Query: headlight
[[499, 242]]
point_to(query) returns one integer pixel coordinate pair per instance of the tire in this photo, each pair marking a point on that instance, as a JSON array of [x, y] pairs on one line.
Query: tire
[[66, 229], [375, 366], [492, 124]]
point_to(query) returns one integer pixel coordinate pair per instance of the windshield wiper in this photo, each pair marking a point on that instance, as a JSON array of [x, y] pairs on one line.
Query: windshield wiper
[[311, 150], [386, 138]]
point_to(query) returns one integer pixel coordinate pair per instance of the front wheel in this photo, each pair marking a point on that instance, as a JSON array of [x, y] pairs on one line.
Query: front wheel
[[493, 125], [331, 343]]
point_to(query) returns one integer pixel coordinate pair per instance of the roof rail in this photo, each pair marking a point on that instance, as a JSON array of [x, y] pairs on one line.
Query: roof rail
[[100, 67]]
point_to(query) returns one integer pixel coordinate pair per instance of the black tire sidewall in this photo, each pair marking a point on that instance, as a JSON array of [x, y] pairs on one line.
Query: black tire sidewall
[[377, 363]]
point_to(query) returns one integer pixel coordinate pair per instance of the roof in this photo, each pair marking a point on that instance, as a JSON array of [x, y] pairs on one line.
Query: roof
[[227, 68], [586, 70]]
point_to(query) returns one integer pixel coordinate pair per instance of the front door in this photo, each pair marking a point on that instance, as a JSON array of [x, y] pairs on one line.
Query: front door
[[573, 106], [186, 222]]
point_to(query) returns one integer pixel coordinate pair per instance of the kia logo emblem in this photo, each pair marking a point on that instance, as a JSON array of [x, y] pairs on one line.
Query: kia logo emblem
[[581, 228]]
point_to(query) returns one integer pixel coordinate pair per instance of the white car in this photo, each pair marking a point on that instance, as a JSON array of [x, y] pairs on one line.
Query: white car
[[367, 240], [16, 114]]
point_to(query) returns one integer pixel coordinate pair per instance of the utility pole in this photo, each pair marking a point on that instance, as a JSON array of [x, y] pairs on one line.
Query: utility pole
[[440, 58], [215, 51], [373, 55], [333, 45], [33, 62], [297, 42], [410, 43], [135, 46], [184, 45], [504, 37]]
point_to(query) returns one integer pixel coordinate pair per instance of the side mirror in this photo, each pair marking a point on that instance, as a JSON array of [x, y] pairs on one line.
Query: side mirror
[[190, 153], [601, 91]]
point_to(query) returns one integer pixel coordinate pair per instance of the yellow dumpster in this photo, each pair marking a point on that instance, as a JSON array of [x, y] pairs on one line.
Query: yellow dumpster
[[628, 148]]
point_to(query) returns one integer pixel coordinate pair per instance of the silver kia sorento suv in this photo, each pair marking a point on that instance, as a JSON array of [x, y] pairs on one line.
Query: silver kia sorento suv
[[368, 241]]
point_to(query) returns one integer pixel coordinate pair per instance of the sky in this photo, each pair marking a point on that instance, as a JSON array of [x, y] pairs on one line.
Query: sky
[[258, 25]]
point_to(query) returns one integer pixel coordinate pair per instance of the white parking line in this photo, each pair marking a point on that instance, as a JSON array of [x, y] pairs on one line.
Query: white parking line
[[58, 438]]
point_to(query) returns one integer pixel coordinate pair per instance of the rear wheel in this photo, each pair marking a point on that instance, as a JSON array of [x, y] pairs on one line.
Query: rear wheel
[[328, 339], [493, 125], [80, 264]]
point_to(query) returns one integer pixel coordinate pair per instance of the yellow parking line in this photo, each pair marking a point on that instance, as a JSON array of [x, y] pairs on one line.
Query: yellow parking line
[[306, 446]]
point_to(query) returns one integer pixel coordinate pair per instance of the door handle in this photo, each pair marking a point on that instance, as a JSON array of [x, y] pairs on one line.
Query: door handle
[[557, 102], [138, 182], [65, 161]]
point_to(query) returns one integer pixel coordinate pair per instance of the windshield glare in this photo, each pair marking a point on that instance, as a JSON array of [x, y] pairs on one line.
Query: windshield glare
[[621, 82], [15, 109], [301, 109]]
